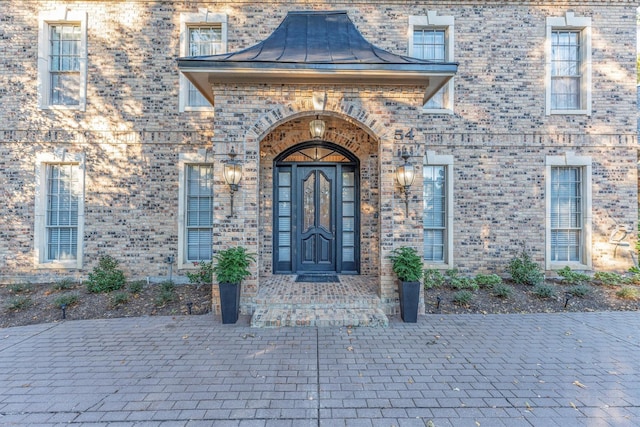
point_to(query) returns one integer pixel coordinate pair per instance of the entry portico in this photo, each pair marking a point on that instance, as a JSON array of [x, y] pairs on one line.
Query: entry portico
[[323, 204]]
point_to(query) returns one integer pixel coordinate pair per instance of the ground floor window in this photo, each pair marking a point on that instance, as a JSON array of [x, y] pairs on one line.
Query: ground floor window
[[62, 212], [199, 212], [568, 211], [195, 234], [59, 210], [435, 213], [438, 207], [566, 214]]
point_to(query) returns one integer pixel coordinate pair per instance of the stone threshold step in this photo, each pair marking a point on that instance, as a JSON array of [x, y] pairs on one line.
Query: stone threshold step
[[270, 317], [283, 304]]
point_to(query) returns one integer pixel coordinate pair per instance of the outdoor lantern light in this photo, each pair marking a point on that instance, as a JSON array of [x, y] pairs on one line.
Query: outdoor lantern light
[[405, 174], [316, 127], [232, 174]]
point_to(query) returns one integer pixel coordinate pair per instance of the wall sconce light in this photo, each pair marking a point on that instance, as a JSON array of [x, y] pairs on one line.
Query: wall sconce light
[[317, 127], [405, 174], [232, 174]]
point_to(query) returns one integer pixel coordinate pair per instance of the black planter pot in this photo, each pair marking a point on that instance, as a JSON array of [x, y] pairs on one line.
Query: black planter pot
[[409, 298], [229, 302]]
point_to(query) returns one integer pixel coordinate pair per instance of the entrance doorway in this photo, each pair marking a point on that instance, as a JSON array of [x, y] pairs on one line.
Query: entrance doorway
[[316, 210]]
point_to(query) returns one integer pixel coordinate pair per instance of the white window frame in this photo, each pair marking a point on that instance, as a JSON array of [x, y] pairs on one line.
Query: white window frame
[[187, 20], [572, 23], [433, 159], [569, 159], [61, 16], [203, 157], [432, 21], [41, 188]]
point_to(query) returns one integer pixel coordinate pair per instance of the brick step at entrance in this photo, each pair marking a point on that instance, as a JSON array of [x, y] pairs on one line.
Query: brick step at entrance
[[274, 317]]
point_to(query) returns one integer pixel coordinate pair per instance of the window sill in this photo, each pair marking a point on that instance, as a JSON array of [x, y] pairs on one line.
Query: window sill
[[63, 107], [437, 266], [188, 265], [570, 113], [572, 265], [59, 265], [445, 111], [198, 109]]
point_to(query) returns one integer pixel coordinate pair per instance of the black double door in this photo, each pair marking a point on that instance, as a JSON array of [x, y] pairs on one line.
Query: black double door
[[315, 206], [316, 222]]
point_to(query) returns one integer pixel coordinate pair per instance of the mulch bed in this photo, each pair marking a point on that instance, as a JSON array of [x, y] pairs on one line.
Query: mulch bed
[[152, 300], [523, 300]]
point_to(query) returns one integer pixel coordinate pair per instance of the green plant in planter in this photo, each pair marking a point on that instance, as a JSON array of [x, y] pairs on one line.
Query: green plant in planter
[[407, 264], [232, 265]]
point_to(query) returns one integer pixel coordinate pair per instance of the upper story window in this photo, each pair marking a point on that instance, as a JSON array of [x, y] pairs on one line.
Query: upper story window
[[431, 37], [64, 64], [203, 40], [62, 60], [202, 34], [568, 65]]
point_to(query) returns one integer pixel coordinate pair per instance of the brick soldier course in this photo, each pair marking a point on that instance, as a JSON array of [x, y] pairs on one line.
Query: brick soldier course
[[561, 369], [131, 136]]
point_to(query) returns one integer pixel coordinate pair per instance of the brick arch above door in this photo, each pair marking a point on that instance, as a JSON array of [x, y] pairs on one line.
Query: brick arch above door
[[303, 109], [345, 134]]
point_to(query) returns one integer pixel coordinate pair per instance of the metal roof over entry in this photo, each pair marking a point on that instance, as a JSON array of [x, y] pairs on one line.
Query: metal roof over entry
[[315, 47]]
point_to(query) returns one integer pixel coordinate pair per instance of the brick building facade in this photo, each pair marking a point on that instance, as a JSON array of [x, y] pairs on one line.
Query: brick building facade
[[106, 148]]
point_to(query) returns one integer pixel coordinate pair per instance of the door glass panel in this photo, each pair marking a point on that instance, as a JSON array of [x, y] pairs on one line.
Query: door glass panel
[[347, 194], [284, 178], [348, 217], [309, 206], [347, 209], [325, 203], [348, 224], [284, 254], [284, 193], [284, 216], [284, 223], [347, 179]]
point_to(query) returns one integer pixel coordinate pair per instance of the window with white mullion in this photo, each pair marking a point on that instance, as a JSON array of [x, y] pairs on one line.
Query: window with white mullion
[[64, 60], [566, 64], [435, 213], [203, 41], [199, 212], [431, 44], [62, 212], [566, 214]]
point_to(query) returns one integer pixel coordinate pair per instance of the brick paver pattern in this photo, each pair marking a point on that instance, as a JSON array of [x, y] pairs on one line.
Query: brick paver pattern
[[564, 369]]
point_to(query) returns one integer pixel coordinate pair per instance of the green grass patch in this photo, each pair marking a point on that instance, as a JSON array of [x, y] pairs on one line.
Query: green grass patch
[[609, 279], [463, 297], [629, 293], [573, 277], [66, 300], [21, 288], [135, 287], [166, 294], [488, 281], [19, 303], [119, 298], [502, 291], [63, 285], [544, 290], [433, 278], [579, 291]]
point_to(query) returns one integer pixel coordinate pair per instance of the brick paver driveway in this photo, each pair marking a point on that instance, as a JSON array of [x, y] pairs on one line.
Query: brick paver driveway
[[566, 369]]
